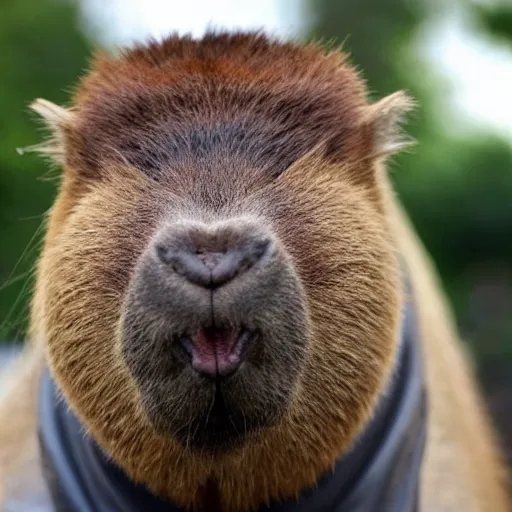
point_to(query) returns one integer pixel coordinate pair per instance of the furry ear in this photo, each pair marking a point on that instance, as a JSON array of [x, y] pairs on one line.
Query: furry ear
[[57, 120], [383, 122]]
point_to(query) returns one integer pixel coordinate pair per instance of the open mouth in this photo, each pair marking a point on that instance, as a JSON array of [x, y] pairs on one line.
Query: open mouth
[[217, 352]]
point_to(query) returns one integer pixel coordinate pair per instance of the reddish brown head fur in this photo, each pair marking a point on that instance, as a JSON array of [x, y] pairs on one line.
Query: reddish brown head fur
[[231, 126], [262, 97]]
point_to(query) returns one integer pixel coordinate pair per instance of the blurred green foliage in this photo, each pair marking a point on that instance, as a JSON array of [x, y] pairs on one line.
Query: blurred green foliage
[[457, 190], [41, 54], [496, 19]]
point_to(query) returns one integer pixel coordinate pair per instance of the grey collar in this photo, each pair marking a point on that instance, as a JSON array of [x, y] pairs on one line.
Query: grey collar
[[379, 474]]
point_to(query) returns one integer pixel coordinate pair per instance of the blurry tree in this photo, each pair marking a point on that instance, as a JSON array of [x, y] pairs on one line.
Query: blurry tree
[[496, 19], [41, 54]]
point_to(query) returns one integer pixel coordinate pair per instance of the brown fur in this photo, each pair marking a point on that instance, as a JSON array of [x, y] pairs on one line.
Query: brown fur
[[295, 143]]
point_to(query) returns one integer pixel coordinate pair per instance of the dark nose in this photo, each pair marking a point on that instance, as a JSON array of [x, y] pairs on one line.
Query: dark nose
[[211, 258]]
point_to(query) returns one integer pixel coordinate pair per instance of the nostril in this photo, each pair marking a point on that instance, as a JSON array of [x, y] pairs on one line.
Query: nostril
[[212, 269], [238, 260], [185, 263], [260, 248], [164, 253]]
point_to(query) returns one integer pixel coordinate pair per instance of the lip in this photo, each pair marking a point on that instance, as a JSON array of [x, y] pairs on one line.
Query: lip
[[233, 351]]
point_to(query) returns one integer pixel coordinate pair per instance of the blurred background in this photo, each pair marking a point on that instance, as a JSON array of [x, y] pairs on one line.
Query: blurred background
[[454, 57]]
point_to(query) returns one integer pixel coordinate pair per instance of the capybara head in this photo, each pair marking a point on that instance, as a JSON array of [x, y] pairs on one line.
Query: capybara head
[[219, 292]]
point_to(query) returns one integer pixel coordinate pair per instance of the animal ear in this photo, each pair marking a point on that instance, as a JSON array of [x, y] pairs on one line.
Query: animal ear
[[58, 120], [383, 124]]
